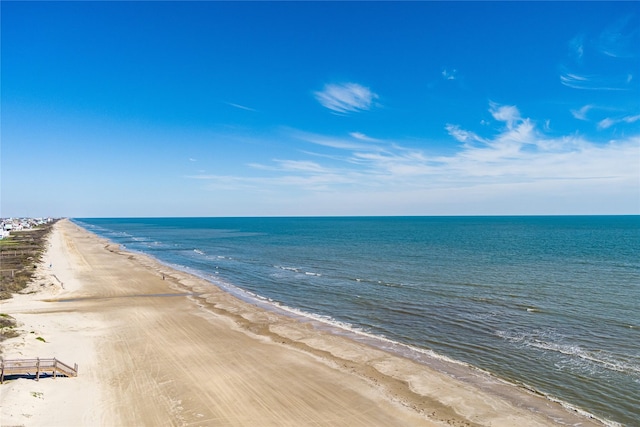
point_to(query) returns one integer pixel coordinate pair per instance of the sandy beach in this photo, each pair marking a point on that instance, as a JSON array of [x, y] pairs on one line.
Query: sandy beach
[[156, 346]]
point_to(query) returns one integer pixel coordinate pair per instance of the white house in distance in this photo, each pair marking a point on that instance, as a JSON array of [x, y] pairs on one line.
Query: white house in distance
[[7, 225]]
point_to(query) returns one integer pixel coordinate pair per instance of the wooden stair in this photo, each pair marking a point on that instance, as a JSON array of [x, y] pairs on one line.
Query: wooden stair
[[36, 367]]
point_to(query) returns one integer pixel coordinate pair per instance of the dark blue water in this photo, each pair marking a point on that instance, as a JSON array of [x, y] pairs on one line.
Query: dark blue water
[[552, 303]]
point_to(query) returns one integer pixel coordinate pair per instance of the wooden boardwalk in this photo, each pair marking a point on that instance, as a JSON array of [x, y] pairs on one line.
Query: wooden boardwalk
[[36, 367]]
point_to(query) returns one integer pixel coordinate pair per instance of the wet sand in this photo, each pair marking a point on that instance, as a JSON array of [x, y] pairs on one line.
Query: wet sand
[[156, 346]]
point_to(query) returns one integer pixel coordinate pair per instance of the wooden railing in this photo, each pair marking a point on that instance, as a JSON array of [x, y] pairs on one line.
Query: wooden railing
[[36, 367]]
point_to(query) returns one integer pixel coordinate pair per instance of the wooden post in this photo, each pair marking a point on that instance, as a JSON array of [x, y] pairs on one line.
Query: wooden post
[[75, 368], [55, 367], [2, 374], [38, 369]]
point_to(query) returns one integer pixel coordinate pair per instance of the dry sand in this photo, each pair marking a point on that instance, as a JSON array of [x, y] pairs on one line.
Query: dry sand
[[181, 352]]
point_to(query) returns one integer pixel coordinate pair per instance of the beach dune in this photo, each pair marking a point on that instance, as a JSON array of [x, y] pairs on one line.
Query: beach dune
[[156, 346]]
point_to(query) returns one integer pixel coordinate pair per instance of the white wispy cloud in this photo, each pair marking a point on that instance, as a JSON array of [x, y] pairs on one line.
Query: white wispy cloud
[[606, 123], [602, 116], [301, 166], [363, 137], [346, 97], [505, 113], [462, 135], [609, 121], [581, 114], [576, 46], [449, 74], [574, 80], [518, 160], [596, 82], [289, 175], [355, 141], [241, 107]]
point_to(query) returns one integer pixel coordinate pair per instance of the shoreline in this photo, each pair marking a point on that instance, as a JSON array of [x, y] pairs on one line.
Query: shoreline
[[511, 391], [155, 342]]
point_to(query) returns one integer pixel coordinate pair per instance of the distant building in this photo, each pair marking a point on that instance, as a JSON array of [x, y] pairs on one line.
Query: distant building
[[7, 225]]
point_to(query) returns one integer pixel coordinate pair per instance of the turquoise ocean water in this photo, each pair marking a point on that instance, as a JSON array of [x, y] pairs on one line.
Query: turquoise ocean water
[[549, 303]]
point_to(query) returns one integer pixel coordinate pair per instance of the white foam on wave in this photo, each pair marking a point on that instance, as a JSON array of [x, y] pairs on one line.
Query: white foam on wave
[[586, 414], [547, 341], [294, 269], [577, 351], [298, 270], [345, 328], [120, 234], [377, 282]]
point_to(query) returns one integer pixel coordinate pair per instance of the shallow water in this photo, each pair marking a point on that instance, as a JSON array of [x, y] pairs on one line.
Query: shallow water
[[547, 302]]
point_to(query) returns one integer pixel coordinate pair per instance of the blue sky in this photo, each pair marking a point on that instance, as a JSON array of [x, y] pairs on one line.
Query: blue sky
[[336, 108]]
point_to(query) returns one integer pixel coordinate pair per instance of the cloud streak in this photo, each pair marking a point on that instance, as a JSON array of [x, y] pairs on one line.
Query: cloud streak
[[346, 98], [608, 122], [241, 107], [596, 82], [581, 114]]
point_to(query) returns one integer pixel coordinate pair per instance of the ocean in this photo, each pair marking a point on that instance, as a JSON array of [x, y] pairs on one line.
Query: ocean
[[548, 303]]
